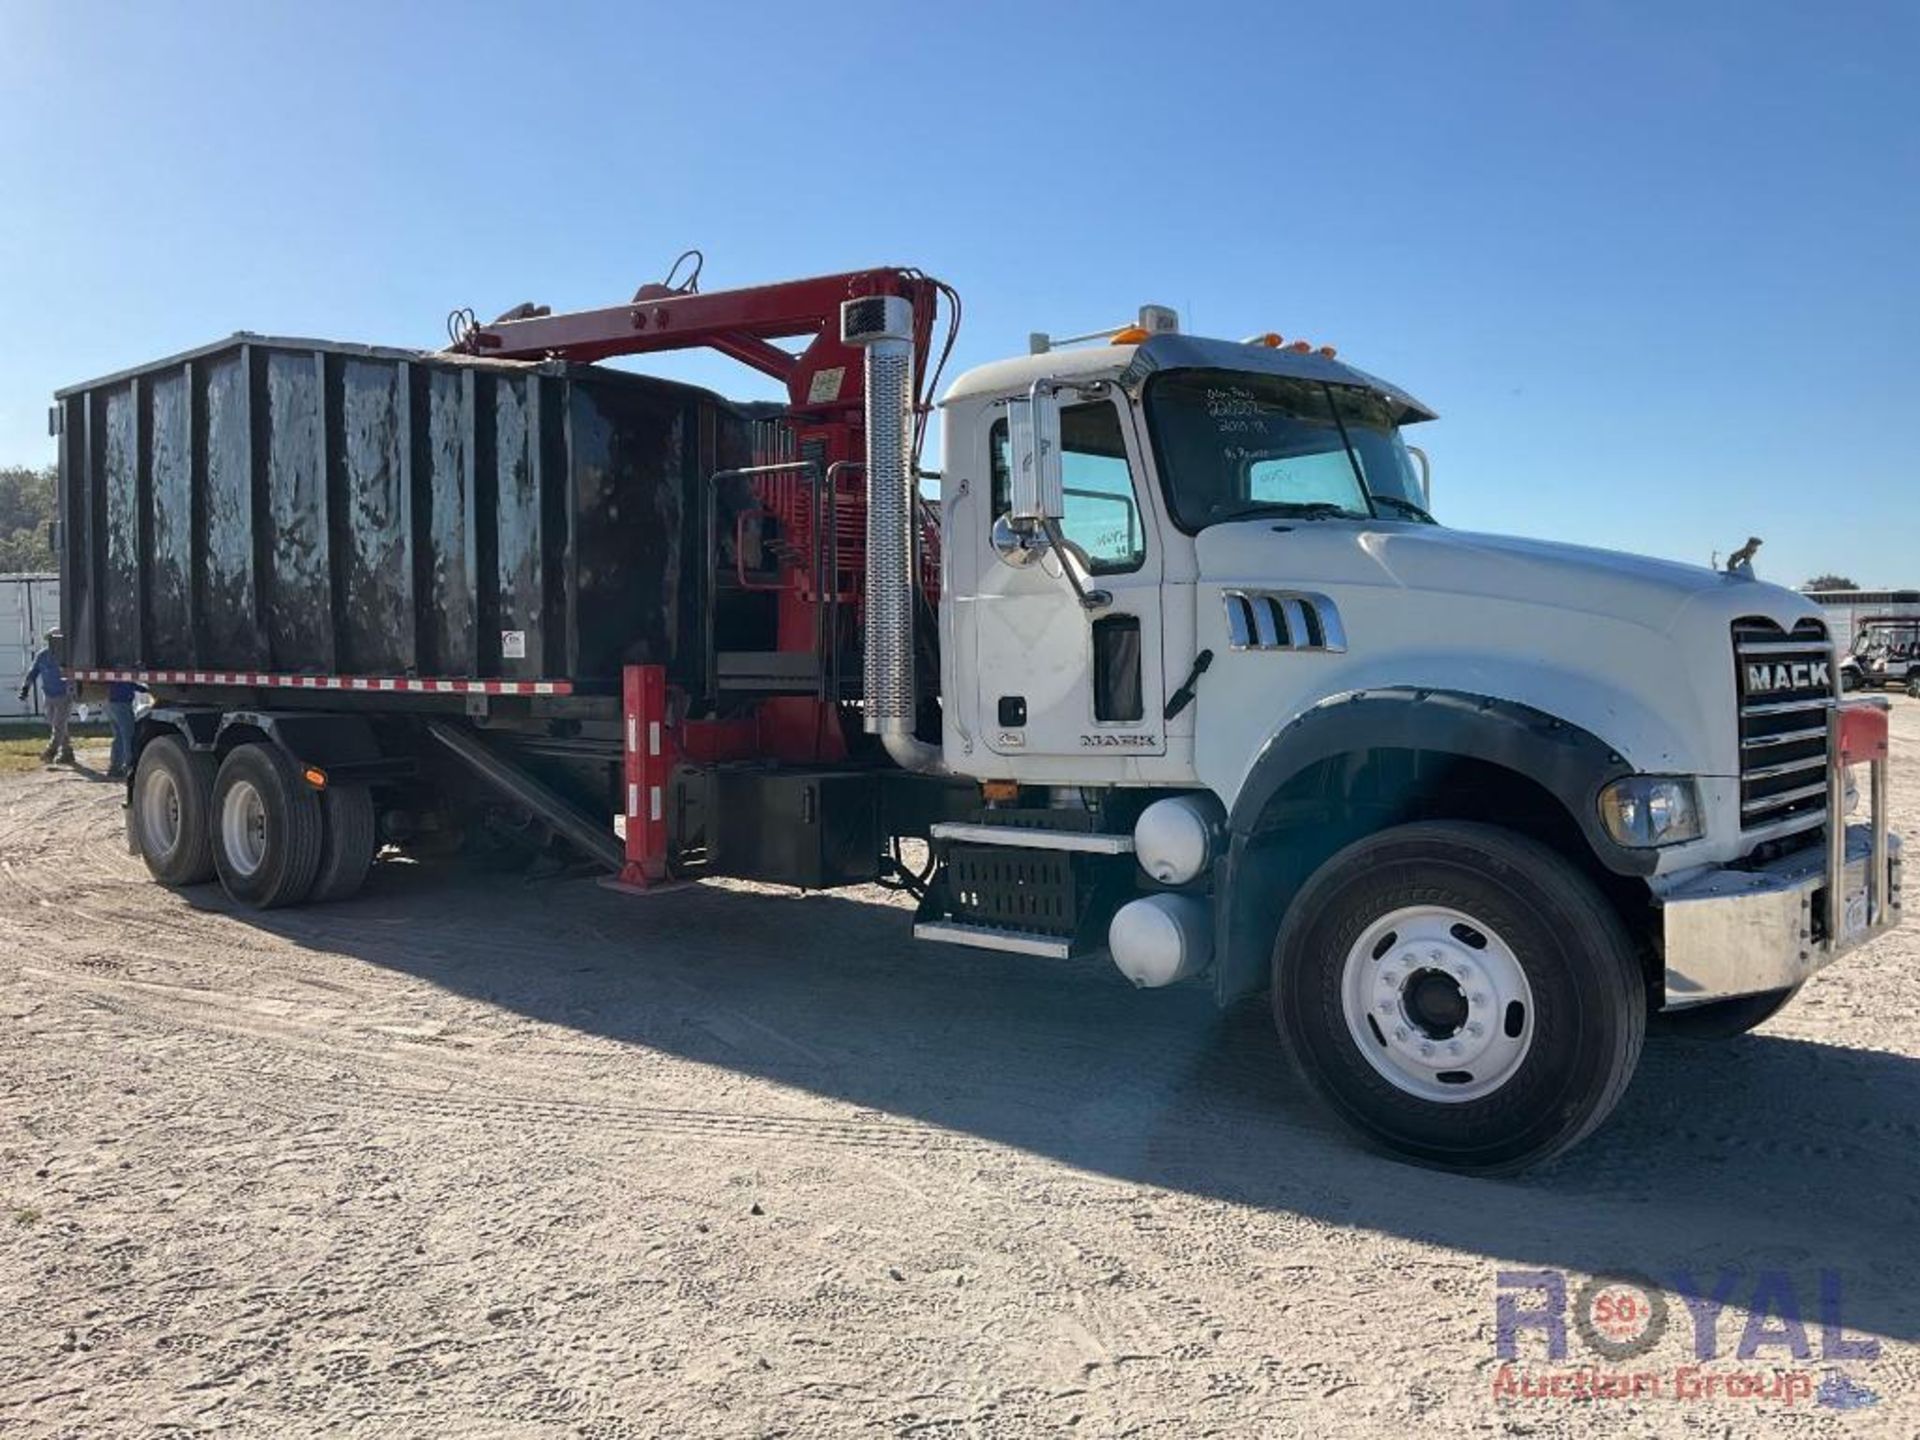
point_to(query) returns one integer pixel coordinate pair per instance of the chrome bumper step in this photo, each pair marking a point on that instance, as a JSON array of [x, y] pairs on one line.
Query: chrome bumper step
[[1028, 837], [993, 937]]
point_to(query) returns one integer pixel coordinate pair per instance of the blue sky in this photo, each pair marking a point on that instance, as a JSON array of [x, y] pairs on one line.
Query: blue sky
[[1656, 265]]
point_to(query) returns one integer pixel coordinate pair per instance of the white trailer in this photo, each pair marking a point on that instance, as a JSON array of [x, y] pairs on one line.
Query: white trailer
[[1846, 609], [29, 606]]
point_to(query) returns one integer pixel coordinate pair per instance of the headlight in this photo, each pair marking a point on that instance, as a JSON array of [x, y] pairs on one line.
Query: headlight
[[1648, 810]]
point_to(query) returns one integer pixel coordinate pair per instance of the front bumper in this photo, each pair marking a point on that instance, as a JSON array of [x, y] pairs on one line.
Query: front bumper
[[1733, 932], [1738, 932]]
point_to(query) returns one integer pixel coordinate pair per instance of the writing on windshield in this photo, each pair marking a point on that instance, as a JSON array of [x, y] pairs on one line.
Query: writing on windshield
[[1232, 444]]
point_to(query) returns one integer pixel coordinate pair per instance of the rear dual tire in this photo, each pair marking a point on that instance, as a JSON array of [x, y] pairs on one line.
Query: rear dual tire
[[1460, 995], [172, 802], [252, 820], [268, 830], [348, 841]]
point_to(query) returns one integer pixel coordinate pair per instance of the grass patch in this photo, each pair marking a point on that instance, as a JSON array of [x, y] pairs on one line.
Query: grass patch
[[20, 753], [25, 1215]]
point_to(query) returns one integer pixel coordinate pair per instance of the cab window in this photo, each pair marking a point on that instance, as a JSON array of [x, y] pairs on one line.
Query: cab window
[[1103, 518]]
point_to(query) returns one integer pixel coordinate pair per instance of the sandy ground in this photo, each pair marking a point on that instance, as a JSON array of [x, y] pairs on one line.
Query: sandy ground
[[482, 1157]]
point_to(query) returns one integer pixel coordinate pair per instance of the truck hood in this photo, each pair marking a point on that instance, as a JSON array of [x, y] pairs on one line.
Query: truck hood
[[1651, 594], [1637, 652]]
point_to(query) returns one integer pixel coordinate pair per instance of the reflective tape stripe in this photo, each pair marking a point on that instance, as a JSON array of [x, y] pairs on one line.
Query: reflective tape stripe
[[392, 683]]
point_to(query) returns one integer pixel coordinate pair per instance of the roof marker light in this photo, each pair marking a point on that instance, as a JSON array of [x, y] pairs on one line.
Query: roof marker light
[[1271, 339], [1159, 320], [1326, 352], [1300, 346], [1131, 335]]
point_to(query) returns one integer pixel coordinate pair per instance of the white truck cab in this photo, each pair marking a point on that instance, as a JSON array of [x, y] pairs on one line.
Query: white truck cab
[[1473, 806]]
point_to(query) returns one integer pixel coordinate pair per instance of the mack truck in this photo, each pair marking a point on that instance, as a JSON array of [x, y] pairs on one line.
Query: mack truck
[[1168, 659]]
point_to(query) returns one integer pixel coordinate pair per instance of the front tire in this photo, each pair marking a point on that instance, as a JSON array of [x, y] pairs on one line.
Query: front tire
[[1460, 995], [266, 829], [1723, 1019]]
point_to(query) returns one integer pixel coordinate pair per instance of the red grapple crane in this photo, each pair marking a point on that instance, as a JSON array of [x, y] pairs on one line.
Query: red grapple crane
[[824, 420], [822, 379], [807, 466]]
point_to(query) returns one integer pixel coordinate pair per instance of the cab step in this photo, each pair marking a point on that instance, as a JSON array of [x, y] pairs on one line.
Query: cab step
[[1025, 883], [995, 937], [1030, 837]]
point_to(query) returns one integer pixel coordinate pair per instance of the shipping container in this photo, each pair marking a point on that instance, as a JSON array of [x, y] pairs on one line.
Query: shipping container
[[309, 508]]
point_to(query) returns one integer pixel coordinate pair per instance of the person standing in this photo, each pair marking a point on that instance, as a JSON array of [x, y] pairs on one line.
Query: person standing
[[58, 698], [120, 695]]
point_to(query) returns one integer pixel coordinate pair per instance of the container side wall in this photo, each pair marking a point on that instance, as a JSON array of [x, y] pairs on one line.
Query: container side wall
[[520, 577], [302, 507], [232, 633], [170, 503], [299, 610], [483, 470], [120, 480], [446, 471], [76, 595], [558, 593], [633, 510], [377, 530]]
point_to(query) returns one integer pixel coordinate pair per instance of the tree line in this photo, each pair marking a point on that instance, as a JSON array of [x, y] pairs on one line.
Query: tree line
[[26, 513]]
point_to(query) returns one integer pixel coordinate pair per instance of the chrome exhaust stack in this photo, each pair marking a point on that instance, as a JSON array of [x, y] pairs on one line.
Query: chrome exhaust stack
[[882, 327]]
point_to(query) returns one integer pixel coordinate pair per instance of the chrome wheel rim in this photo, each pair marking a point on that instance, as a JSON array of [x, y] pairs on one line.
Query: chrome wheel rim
[[243, 828], [159, 811], [1438, 1004]]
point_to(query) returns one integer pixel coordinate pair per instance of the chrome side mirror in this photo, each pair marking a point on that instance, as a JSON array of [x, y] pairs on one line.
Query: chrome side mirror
[[1037, 488], [1019, 545]]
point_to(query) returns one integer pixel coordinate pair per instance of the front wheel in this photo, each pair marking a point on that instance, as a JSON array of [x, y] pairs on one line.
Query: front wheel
[[1461, 995]]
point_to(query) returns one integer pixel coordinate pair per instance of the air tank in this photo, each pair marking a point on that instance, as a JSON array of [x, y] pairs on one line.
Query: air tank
[[1159, 939], [1176, 839]]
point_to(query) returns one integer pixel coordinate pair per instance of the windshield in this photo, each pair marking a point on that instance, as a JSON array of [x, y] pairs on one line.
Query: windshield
[[1233, 445]]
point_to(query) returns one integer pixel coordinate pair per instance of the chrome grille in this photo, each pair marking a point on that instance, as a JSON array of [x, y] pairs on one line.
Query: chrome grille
[[1786, 684]]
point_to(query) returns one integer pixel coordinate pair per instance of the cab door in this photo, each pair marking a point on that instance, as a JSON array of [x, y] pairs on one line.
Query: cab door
[[1053, 677]]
